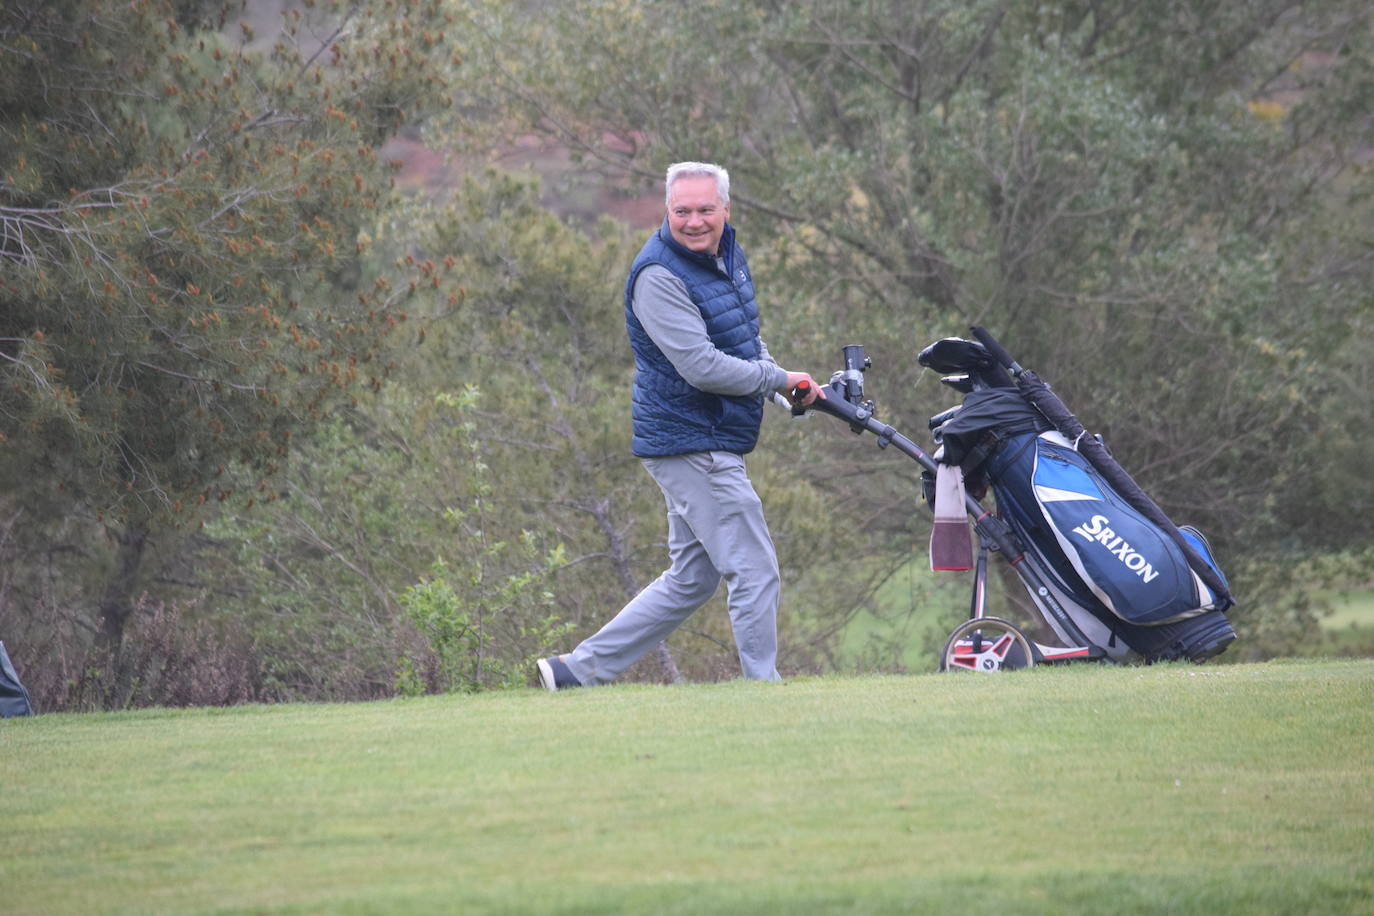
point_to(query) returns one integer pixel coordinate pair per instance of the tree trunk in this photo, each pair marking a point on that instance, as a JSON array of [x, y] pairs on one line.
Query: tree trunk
[[116, 607], [117, 601], [665, 658]]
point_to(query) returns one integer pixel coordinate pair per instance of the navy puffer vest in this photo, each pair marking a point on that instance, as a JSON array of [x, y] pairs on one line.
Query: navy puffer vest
[[670, 416]]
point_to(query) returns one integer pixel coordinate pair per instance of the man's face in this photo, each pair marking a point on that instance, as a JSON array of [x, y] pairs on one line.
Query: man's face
[[696, 217]]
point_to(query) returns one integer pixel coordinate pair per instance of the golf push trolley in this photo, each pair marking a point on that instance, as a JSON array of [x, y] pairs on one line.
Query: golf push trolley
[[1109, 573]]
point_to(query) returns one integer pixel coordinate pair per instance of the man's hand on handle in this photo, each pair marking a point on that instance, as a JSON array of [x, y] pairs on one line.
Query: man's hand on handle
[[801, 389]]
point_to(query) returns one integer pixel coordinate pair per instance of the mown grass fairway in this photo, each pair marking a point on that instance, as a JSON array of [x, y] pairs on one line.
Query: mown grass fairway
[[1229, 789]]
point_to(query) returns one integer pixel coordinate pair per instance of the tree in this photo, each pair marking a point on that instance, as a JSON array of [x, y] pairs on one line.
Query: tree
[[180, 252]]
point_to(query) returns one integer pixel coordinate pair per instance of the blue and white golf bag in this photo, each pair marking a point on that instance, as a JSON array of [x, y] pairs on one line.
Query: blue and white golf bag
[[1124, 581]]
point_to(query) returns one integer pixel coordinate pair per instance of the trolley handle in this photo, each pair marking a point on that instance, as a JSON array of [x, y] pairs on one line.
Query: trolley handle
[[802, 389]]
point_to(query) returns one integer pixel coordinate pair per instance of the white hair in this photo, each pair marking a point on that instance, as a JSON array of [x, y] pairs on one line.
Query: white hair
[[680, 169]]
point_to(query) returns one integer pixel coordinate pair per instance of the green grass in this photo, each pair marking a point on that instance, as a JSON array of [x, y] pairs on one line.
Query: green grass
[[1234, 789]]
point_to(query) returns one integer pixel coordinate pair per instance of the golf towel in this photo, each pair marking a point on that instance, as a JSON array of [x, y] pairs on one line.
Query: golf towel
[[950, 547]]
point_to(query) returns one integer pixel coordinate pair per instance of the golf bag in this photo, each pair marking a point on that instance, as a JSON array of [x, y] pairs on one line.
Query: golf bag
[[1124, 575], [14, 699]]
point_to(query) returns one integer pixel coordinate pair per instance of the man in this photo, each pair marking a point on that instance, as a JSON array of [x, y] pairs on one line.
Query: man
[[701, 375]]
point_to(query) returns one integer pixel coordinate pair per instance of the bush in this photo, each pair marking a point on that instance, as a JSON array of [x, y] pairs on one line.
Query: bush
[[165, 659]]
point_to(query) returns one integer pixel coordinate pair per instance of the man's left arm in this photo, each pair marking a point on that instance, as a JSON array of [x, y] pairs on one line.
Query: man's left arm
[[764, 355]]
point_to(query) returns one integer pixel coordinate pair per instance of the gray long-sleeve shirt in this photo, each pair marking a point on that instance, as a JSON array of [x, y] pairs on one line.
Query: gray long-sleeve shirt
[[674, 323]]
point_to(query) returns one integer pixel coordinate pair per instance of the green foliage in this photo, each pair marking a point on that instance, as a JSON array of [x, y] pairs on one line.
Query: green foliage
[[179, 295], [486, 613], [467, 640], [313, 570], [492, 485], [181, 220]]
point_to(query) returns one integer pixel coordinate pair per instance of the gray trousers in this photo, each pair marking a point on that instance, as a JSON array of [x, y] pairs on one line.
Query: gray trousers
[[715, 531]]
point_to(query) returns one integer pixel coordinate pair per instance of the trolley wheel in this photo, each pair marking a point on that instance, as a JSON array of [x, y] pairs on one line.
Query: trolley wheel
[[986, 645]]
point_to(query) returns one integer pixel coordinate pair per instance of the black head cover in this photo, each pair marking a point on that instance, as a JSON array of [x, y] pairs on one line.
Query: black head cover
[[954, 355]]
